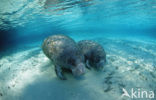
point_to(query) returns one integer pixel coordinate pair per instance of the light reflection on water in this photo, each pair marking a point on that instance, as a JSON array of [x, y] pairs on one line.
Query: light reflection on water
[[18, 13], [36, 19]]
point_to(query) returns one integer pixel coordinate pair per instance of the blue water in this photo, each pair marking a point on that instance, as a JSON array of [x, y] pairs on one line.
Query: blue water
[[36, 19], [125, 28]]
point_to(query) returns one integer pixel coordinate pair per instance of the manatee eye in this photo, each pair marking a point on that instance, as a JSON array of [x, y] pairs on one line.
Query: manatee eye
[[71, 61]]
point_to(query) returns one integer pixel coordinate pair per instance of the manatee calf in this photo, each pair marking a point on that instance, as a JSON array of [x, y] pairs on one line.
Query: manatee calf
[[64, 53], [94, 54]]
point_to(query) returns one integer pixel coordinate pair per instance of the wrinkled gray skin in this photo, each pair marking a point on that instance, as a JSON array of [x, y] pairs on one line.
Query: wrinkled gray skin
[[63, 52], [94, 54]]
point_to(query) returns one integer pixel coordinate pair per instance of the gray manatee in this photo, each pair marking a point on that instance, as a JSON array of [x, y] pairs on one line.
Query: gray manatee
[[64, 53], [94, 54]]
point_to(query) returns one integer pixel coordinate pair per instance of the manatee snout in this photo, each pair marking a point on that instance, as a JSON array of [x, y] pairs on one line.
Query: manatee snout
[[79, 70]]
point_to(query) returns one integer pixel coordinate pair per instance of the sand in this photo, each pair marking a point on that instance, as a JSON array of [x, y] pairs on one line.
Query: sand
[[27, 74]]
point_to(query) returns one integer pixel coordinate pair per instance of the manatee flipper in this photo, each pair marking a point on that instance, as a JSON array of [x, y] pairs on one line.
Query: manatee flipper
[[59, 73], [87, 64]]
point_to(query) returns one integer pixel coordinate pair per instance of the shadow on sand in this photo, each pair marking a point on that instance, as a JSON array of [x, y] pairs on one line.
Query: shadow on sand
[[55, 89]]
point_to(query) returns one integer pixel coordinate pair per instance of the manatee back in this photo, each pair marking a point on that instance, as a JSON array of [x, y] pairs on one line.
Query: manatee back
[[89, 46], [56, 45]]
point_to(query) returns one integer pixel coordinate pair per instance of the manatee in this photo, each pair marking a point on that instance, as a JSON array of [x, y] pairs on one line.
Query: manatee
[[94, 54], [65, 54]]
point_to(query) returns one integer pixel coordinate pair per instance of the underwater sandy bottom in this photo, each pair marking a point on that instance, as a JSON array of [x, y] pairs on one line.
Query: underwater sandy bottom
[[28, 74]]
